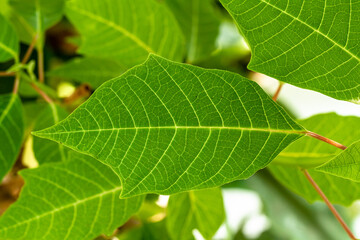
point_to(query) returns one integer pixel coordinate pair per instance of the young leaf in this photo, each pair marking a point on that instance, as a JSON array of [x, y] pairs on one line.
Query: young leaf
[[91, 70], [39, 14], [126, 30], [77, 199], [11, 131], [202, 210], [9, 42], [345, 165], [310, 44], [310, 153], [166, 127], [47, 151], [200, 25]]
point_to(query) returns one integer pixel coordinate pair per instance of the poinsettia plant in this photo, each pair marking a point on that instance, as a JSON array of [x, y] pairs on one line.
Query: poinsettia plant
[[111, 103]]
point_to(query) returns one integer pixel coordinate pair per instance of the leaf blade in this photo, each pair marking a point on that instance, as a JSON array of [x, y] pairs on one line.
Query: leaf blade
[[9, 42], [82, 209], [197, 118]]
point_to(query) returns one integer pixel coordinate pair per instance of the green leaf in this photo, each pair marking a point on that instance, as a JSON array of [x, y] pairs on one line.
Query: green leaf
[[345, 165], [200, 25], [310, 44], [77, 199], [310, 153], [39, 14], [166, 127], [91, 70], [47, 151], [9, 42], [126, 30], [11, 131], [202, 210]]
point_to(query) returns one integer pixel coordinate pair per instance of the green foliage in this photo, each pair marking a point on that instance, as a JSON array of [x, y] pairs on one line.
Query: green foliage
[[310, 44], [94, 71], [126, 30], [202, 210], [9, 42], [157, 124], [11, 131], [72, 211], [200, 25], [47, 151], [186, 119], [345, 165]]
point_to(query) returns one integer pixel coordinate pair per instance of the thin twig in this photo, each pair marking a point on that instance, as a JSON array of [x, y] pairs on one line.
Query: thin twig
[[6, 74], [42, 93], [16, 83], [29, 50], [41, 65], [312, 181], [328, 203], [276, 95], [327, 140]]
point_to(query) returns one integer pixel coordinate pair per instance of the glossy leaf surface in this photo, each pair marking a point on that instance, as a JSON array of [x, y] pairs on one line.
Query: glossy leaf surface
[[310, 44], [9, 42], [126, 30], [167, 127], [78, 199]]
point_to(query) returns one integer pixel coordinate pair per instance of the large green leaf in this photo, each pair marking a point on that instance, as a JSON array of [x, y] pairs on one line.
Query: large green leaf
[[77, 199], [311, 44], [38, 14], [309, 153], [345, 165], [166, 127], [126, 30], [47, 151], [202, 210], [9, 42], [11, 131], [91, 70], [200, 25]]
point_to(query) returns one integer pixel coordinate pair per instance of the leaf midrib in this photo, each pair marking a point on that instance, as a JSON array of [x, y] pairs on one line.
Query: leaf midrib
[[299, 132], [115, 26], [8, 107], [313, 29]]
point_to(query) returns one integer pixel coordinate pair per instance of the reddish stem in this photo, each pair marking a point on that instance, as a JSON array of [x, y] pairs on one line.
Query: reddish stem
[[16, 84], [6, 74], [41, 65], [276, 95], [328, 203], [327, 140], [29, 50], [42, 93]]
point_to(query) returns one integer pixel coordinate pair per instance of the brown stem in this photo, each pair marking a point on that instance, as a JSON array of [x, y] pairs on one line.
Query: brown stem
[[328, 203], [16, 83], [41, 65], [42, 93], [276, 95], [327, 140], [6, 74], [29, 50]]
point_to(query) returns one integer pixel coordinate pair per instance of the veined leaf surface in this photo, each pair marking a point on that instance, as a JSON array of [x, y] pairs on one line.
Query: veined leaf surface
[[11, 131], [94, 71], [126, 30], [310, 44], [345, 165], [9, 42], [47, 151], [200, 25], [310, 153], [77, 199], [202, 210], [167, 127]]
